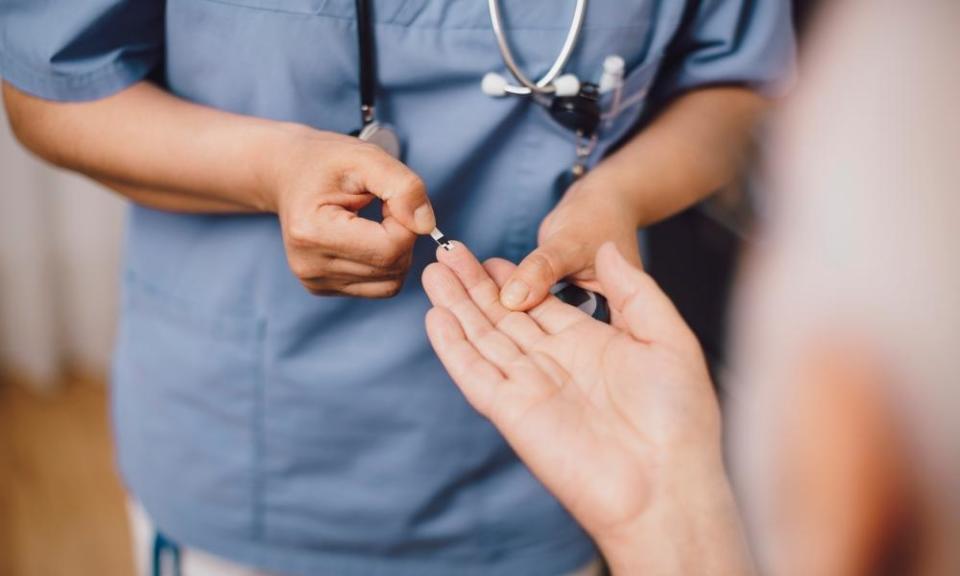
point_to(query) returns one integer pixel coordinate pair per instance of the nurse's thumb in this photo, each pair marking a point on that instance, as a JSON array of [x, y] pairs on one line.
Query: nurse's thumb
[[530, 283], [402, 191]]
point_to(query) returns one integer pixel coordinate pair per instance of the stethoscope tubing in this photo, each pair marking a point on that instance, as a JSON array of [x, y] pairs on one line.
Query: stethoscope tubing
[[368, 70], [545, 84]]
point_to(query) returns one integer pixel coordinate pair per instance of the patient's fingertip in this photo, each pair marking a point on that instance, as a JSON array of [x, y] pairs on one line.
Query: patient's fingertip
[[431, 275], [428, 270], [448, 252]]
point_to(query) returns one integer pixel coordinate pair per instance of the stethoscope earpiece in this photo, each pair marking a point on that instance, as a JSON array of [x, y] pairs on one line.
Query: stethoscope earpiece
[[566, 85], [494, 85], [497, 86]]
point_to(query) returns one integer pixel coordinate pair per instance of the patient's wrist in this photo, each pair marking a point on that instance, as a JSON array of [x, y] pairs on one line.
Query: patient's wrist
[[691, 527]]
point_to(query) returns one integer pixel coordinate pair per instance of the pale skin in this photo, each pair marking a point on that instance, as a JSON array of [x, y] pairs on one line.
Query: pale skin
[[621, 424], [171, 154]]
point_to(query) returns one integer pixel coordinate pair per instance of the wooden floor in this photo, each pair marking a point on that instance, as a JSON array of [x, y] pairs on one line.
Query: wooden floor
[[61, 503]]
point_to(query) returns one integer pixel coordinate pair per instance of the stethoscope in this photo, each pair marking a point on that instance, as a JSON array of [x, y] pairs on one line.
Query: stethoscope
[[383, 135], [572, 104]]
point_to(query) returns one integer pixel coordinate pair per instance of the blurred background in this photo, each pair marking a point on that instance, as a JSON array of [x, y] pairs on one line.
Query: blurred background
[[59, 250], [61, 504]]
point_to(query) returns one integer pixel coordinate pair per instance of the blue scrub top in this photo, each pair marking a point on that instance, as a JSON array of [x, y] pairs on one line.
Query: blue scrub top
[[309, 435]]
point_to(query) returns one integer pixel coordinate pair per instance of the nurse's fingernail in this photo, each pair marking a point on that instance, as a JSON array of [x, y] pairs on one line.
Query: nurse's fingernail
[[514, 294], [423, 218]]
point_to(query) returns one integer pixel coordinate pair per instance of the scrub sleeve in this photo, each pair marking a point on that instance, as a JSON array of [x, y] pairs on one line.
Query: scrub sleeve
[[73, 50], [729, 43]]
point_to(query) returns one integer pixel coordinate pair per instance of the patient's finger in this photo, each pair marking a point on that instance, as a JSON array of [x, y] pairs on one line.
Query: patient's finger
[[647, 311], [505, 400], [486, 294], [445, 290], [552, 315], [476, 377]]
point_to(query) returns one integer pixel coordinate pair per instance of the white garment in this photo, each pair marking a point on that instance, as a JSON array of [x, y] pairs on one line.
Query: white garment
[[198, 563], [192, 562]]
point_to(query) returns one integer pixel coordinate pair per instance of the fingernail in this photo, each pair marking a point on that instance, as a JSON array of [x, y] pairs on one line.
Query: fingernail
[[514, 294], [423, 218]]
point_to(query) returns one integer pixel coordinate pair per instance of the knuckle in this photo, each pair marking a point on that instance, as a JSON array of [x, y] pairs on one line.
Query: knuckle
[[300, 268], [361, 273], [299, 233], [393, 257], [367, 156], [510, 319], [316, 289], [396, 256], [412, 185], [408, 186], [541, 268], [380, 259], [392, 288], [379, 290], [365, 151]]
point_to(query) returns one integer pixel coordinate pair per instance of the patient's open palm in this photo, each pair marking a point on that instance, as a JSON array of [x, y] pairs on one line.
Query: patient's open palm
[[593, 409]]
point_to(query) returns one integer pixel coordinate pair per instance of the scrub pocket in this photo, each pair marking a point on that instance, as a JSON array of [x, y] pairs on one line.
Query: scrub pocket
[[620, 117], [621, 111], [186, 402], [633, 93]]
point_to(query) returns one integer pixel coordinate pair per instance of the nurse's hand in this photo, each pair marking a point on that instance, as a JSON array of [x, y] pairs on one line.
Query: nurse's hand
[[621, 425], [319, 188], [590, 214]]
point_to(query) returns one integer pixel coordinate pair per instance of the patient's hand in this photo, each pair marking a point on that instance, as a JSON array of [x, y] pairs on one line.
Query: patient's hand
[[621, 425]]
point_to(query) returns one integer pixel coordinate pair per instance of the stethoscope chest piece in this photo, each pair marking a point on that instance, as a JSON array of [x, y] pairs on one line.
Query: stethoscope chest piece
[[382, 135], [581, 112]]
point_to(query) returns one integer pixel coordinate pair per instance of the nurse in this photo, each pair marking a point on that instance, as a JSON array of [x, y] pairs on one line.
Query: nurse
[[312, 431]]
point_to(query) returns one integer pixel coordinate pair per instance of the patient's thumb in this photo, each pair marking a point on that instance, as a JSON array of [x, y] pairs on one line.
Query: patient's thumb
[[646, 310]]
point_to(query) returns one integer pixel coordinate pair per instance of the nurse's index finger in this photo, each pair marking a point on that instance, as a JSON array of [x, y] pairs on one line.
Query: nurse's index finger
[[399, 187], [380, 244]]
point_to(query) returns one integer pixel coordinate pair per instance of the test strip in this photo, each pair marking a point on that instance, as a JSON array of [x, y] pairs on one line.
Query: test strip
[[440, 239]]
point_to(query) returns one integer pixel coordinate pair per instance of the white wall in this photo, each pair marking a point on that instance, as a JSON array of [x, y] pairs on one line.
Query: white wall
[[59, 250]]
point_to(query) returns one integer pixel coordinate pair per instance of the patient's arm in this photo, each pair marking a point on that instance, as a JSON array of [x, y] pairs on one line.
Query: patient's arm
[[621, 425]]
